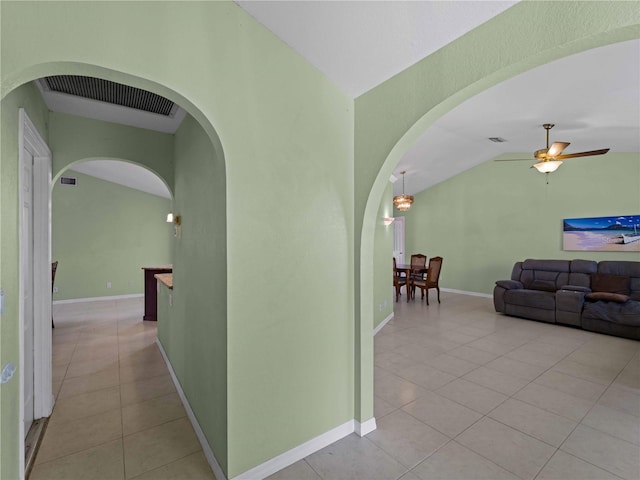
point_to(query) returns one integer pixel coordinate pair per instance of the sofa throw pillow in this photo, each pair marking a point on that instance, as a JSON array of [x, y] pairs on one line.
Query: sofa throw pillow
[[607, 296], [603, 282]]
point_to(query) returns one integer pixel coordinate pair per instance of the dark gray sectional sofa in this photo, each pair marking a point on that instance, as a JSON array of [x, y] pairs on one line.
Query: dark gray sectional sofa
[[600, 297]]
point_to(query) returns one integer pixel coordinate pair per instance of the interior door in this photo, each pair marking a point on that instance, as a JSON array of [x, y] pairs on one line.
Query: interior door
[[398, 239], [26, 255]]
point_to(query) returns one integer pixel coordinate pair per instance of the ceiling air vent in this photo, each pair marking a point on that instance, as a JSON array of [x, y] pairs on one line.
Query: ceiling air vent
[[110, 92], [497, 139], [69, 181]]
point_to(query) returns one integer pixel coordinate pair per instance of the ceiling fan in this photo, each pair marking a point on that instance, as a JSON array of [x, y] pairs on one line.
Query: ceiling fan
[[550, 158]]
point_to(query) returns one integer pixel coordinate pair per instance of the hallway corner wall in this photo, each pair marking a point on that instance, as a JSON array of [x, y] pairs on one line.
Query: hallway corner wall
[[195, 335], [383, 251]]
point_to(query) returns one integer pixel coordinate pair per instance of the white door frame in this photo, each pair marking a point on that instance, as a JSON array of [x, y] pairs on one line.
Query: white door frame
[[30, 139]]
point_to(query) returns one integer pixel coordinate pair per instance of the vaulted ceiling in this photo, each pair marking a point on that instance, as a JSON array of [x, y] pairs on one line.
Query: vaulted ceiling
[[359, 45]]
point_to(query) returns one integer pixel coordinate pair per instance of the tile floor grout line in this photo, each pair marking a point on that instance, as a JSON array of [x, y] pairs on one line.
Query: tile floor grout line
[[124, 459]]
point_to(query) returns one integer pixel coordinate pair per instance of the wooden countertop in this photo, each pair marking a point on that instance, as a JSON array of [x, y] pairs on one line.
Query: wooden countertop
[[166, 278], [159, 267]]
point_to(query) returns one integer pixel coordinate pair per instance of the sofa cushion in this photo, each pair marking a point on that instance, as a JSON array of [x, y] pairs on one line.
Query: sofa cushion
[[531, 298], [603, 282], [627, 313], [607, 296], [550, 271], [544, 285]]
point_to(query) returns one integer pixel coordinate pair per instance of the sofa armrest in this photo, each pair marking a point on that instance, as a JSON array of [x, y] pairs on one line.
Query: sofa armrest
[[509, 284], [576, 288], [569, 304]]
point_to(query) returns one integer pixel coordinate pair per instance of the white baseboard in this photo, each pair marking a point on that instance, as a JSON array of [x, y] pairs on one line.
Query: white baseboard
[[298, 453], [367, 427], [98, 299], [464, 292], [383, 323], [276, 463], [208, 453]]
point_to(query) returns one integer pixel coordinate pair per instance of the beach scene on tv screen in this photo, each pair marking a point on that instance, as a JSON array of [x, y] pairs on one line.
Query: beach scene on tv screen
[[611, 234]]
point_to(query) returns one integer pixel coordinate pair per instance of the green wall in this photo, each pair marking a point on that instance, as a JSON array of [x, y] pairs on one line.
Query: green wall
[[383, 295], [29, 98], [74, 139], [287, 134], [290, 260], [485, 219], [103, 232], [194, 334], [306, 170]]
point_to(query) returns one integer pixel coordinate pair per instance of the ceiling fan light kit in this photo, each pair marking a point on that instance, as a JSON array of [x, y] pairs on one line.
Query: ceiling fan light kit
[[403, 202], [548, 166]]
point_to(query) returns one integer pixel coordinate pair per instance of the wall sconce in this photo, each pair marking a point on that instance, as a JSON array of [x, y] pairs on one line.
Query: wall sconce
[[388, 221], [171, 218]]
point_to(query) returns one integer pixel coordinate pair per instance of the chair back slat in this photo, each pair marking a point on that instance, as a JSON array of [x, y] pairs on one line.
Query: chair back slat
[[433, 273]]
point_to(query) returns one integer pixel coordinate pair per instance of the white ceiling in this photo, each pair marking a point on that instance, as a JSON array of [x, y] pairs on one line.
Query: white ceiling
[[124, 173], [592, 97], [594, 103], [360, 44]]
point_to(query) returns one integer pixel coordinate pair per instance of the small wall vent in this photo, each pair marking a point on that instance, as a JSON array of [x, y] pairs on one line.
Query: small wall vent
[[69, 181], [497, 139]]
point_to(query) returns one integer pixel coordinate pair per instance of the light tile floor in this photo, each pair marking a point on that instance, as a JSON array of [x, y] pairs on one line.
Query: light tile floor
[[117, 414], [460, 393], [464, 393]]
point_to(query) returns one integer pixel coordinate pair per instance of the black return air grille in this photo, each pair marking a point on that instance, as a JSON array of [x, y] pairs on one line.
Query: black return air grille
[[110, 92]]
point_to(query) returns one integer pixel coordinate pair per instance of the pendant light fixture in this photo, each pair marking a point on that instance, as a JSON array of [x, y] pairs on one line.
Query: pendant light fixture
[[403, 202]]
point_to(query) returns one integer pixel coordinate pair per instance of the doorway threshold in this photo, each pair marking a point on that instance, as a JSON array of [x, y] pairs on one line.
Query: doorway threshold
[[32, 443]]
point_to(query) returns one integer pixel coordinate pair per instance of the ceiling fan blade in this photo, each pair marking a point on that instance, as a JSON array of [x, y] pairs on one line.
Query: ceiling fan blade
[[557, 148], [583, 154]]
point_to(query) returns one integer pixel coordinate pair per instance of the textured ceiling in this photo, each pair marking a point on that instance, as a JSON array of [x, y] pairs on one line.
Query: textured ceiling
[[360, 44], [591, 108]]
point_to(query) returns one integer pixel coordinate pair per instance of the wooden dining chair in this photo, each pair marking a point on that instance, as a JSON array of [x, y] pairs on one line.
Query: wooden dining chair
[[54, 267], [433, 276], [418, 264], [398, 280]]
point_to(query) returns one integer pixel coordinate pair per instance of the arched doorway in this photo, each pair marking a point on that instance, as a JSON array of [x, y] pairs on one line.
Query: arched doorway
[[103, 145], [387, 148]]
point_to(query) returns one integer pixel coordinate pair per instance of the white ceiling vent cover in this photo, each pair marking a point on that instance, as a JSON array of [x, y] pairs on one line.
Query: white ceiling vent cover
[[69, 181]]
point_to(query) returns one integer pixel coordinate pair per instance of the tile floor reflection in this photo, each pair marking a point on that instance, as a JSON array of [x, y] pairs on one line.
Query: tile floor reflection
[[117, 414], [460, 393], [464, 393]]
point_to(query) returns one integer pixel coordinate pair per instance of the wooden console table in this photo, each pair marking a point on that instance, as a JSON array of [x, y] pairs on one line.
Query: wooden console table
[[151, 290]]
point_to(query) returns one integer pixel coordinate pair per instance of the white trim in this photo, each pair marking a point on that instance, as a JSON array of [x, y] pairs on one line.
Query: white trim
[[363, 429], [464, 292], [276, 463], [30, 139], [298, 453], [383, 323], [208, 453], [42, 341], [97, 299]]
